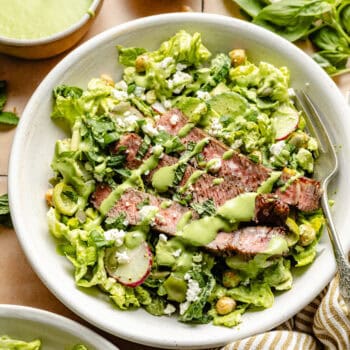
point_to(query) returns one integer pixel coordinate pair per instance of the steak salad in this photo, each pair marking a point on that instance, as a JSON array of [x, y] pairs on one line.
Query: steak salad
[[185, 187]]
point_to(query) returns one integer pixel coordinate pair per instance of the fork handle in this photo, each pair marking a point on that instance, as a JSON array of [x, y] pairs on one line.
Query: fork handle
[[340, 257]]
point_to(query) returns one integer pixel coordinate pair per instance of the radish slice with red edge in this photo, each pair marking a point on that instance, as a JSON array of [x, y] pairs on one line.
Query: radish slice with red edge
[[128, 266], [285, 123]]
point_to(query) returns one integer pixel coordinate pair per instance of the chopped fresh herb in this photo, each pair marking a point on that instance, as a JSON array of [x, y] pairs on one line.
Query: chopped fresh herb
[[118, 222], [179, 173], [67, 91], [206, 208], [70, 195], [116, 160], [123, 172], [146, 142], [5, 218], [143, 203]]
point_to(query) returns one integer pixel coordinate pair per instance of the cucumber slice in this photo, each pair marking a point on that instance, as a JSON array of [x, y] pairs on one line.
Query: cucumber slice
[[65, 199], [130, 267]]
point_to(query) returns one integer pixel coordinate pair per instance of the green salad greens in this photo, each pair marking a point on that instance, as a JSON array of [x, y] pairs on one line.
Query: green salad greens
[[130, 224], [325, 22], [8, 343]]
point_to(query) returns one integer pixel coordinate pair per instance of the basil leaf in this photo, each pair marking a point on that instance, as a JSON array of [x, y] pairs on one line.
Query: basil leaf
[[8, 118], [336, 58], [328, 38], [5, 218], [3, 98], [344, 16], [251, 7], [324, 63]]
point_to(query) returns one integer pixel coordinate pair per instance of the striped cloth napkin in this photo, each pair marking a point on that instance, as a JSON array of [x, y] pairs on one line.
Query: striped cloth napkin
[[323, 324]]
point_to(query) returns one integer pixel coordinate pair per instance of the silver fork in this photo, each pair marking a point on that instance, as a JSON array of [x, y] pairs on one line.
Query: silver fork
[[325, 168]]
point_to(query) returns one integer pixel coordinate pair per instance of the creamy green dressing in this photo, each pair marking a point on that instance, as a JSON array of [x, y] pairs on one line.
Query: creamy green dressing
[[185, 130], [266, 186], [289, 182], [148, 165], [277, 246], [203, 231], [164, 177], [240, 208], [191, 180], [185, 219], [228, 154], [32, 19]]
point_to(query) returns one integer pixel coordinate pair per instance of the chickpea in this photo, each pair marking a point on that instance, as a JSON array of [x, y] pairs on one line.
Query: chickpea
[[108, 80], [48, 197], [238, 57], [140, 63], [230, 279], [225, 305]]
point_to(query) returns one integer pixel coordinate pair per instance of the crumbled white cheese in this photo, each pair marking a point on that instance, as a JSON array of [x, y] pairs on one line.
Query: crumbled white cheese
[[146, 172], [158, 107], [150, 130], [163, 237], [130, 120], [177, 253], [119, 94], [157, 117], [236, 144], [179, 78], [116, 235], [180, 67], [157, 149], [169, 309], [277, 147], [120, 122], [121, 85], [215, 126], [167, 104], [148, 210], [122, 257], [161, 127], [192, 293], [125, 222], [165, 62], [139, 91], [204, 95], [174, 119], [214, 164]]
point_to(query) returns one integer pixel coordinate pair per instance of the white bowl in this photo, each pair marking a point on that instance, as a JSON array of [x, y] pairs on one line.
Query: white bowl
[[54, 331], [34, 145]]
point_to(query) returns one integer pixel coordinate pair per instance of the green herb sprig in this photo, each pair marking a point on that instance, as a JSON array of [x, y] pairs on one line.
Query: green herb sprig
[[326, 23], [8, 118]]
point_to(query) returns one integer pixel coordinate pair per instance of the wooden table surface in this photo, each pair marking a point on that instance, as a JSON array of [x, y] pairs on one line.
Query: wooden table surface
[[20, 285]]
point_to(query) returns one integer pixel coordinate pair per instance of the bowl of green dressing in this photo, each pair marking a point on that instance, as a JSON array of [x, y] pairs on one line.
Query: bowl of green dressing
[[37, 29]]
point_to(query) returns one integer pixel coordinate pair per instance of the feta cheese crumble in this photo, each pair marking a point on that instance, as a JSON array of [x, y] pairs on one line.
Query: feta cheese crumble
[[116, 235], [215, 126], [165, 62], [169, 309], [167, 104], [174, 119], [147, 211], [157, 149], [139, 90], [214, 165], [177, 253], [122, 257], [163, 237], [121, 85], [192, 293], [204, 95], [119, 94], [150, 130], [179, 78], [180, 66], [277, 148]]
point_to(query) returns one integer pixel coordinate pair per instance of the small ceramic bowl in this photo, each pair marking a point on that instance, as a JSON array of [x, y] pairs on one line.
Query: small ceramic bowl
[[53, 44]]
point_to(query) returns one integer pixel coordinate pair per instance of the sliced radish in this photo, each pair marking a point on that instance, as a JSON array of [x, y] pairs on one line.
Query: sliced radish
[[130, 267], [285, 122]]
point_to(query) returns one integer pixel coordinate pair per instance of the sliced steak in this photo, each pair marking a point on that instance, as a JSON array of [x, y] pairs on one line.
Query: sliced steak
[[131, 142], [247, 176], [131, 202], [303, 192], [248, 240], [270, 210], [239, 170]]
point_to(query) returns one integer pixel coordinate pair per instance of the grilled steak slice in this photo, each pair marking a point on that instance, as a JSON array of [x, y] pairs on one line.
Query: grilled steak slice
[[303, 192], [270, 210], [201, 190], [248, 240], [131, 203]]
